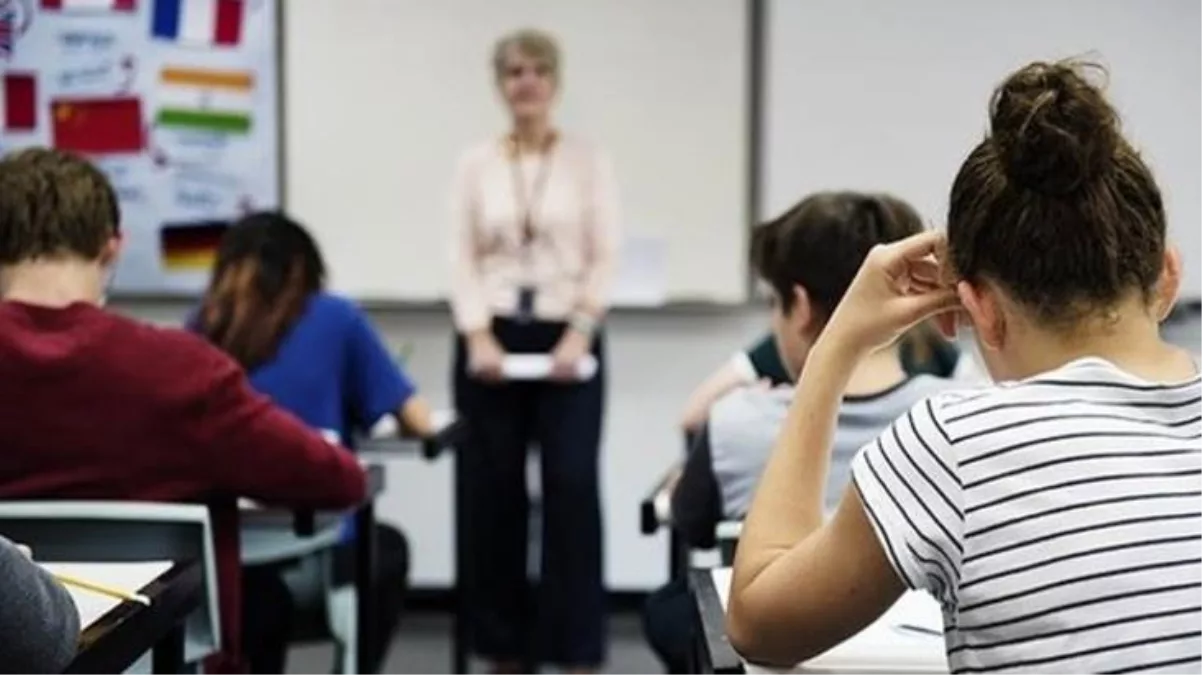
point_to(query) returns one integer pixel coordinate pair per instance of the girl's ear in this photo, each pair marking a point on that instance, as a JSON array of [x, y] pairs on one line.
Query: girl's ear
[[984, 311]]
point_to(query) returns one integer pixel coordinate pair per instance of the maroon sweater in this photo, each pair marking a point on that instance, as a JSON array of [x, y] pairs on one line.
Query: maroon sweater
[[97, 406]]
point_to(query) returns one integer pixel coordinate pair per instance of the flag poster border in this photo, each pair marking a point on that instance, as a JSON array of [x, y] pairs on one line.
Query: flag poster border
[[179, 102]]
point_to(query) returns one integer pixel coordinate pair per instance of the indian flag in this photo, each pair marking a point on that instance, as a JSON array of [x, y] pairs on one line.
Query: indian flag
[[203, 99]]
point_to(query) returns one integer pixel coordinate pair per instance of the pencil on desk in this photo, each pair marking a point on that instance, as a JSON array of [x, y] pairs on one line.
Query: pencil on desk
[[94, 587]]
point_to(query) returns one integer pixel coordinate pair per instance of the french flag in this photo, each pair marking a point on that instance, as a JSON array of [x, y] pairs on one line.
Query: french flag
[[90, 5], [201, 23]]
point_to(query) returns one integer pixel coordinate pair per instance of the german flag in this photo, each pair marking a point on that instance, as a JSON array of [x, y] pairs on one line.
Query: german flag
[[190, 247]]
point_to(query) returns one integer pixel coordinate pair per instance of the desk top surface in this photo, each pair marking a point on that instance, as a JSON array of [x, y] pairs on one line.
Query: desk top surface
[[882, 647]]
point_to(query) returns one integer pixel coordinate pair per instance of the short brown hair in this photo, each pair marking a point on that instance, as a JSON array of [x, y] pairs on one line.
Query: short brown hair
[[54, 204], [1055, 205], [821, 242], [531, 42]]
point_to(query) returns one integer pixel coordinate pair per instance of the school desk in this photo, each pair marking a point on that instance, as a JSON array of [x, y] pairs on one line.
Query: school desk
[[907, 638], [117, 633]]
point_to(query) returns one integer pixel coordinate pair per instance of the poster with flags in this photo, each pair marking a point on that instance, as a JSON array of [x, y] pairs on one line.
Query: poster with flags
[[175, 100]]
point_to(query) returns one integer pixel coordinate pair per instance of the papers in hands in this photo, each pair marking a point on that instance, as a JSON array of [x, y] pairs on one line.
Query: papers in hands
[[523, 367]]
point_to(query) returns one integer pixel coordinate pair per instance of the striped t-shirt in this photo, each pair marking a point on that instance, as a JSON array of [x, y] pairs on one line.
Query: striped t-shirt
[[1056, 519]]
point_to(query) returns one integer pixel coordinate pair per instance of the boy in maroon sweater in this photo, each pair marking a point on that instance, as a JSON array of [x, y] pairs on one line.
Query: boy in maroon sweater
[[97, 406]]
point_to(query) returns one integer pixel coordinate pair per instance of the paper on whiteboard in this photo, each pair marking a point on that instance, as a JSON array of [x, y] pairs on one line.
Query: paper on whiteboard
[[538, 367], [641, 279]]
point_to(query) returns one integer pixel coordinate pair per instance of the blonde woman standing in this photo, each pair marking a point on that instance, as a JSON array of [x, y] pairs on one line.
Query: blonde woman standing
[[536, 233]]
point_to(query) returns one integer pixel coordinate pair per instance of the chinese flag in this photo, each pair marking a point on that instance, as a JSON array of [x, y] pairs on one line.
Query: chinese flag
[[97, 126], [18, 102]]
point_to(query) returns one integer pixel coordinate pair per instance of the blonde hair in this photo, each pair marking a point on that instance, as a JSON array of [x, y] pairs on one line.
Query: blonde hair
[[530, 42]]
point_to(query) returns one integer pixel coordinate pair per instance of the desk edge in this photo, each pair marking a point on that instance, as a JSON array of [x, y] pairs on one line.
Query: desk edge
[[722, 656]]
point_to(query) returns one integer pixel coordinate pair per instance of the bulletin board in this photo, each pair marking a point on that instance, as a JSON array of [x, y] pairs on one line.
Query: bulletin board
[[175, 100]]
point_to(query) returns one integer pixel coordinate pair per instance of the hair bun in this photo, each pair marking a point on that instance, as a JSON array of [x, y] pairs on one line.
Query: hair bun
[[1052, 128]]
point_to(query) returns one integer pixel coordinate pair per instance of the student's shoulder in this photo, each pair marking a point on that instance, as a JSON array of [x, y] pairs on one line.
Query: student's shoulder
[[336, 314], [750, 407], [169, 347], [332, 306], [929, 402]]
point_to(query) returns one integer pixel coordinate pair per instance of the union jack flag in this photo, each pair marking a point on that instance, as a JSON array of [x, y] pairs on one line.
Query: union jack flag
[[8, 30]]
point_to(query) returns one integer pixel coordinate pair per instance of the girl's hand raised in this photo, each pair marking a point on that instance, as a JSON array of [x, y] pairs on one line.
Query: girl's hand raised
[[899, 285]]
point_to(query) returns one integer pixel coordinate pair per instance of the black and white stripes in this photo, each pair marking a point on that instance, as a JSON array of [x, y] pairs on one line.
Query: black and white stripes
[[1058, 520]]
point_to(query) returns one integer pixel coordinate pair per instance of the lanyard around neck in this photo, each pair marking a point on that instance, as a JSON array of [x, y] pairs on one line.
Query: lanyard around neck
[[527, 204]]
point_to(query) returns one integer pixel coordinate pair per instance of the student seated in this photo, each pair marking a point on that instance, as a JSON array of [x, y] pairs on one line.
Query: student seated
[[808, 257], [1055, 516], [38, 619], [100, 406], [316, 355], [922, 350]]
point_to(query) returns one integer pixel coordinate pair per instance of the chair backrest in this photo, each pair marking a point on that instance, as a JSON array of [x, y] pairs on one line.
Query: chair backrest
[[112, 531], [726, 533]]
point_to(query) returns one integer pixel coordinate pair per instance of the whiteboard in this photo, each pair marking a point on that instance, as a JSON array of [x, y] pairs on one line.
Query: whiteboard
[[175, 100], [875, 95], [382, 97]]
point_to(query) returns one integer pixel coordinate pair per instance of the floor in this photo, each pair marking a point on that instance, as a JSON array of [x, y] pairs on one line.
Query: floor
[[423, 645]]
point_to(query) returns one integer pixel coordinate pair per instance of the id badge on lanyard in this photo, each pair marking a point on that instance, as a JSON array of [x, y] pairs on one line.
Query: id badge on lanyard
[[526, 205], [527, 292]]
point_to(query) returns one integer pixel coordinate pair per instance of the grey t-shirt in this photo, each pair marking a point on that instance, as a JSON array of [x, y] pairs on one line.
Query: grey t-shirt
[[744, 424], [38, 619]]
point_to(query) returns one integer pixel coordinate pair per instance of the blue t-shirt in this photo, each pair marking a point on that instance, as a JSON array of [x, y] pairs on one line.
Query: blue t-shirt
[[332, 370]]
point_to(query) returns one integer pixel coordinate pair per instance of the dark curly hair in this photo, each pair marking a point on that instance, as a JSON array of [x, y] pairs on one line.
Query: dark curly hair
[[1055, 205]]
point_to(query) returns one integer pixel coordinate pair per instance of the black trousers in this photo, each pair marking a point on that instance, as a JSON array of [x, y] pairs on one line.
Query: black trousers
[[271, 620], [561, 620]]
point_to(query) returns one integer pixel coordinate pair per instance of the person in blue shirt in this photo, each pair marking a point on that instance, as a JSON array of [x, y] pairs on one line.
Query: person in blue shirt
[[316, 355]]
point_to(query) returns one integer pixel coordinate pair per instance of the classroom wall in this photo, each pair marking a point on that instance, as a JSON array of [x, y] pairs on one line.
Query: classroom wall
[[655, 360]]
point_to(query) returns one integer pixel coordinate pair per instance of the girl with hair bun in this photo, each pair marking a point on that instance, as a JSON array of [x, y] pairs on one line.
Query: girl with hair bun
[[1054, 515]]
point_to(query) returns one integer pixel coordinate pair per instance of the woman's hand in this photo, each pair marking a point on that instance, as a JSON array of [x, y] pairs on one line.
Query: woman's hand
[[485, 356], [565, 359], [899, 285]]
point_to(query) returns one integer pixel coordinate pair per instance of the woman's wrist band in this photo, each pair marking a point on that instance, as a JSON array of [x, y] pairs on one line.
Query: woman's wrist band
[[583, 323]]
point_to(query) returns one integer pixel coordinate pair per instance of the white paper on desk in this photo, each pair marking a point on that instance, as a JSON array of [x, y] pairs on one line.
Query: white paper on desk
[[641, 277], [518, 367], [387, 427], [131, 577], [882, 647]]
